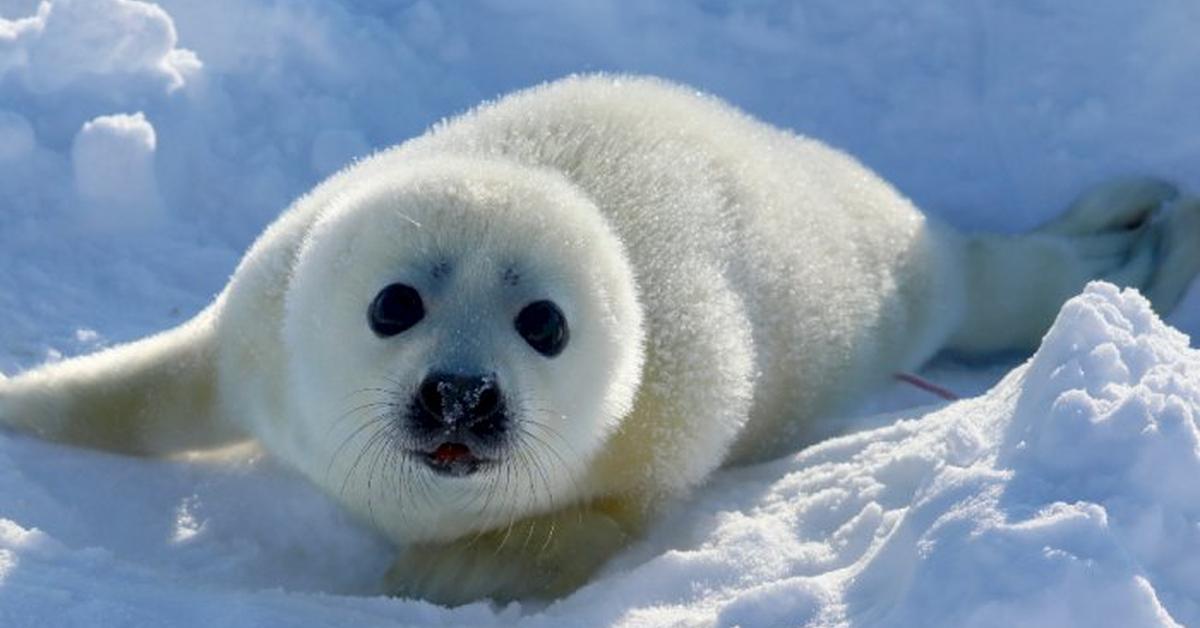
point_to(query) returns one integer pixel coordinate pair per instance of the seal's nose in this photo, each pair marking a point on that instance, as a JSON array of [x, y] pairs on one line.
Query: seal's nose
[[461, 400]]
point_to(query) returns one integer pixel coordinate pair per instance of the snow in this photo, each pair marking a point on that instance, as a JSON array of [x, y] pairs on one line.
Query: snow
[[68, 42], [16, 137], [1062, 493], [112, 158]]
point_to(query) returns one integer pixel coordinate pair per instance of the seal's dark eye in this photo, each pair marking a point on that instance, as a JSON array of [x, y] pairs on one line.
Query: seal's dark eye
[[544, 327], [395, 309]]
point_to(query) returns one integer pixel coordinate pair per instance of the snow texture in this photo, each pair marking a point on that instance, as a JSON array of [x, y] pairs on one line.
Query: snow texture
[[1064, 495]]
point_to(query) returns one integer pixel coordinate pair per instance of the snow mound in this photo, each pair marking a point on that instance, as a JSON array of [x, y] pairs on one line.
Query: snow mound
[[1077, 505], [113, 159], [69, 42], [1065, 496]]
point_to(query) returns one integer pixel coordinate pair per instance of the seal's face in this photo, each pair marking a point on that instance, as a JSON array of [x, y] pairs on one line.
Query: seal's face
[[461, 346], [459, 422]]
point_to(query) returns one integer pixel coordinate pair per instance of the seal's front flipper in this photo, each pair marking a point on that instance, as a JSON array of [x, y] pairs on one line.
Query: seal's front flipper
[[153, 396], [540, 557]]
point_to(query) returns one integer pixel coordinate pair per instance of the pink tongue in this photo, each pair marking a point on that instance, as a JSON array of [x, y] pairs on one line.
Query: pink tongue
[[450, 452]]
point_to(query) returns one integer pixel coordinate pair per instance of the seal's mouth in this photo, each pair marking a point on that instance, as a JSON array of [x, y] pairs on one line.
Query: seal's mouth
[[453, 459]]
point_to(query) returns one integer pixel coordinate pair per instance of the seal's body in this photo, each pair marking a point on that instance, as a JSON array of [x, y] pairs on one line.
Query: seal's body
[[507, 342]]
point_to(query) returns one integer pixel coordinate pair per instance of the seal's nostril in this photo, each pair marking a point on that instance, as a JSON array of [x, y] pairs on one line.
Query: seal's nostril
[[430, 395], [488, 401]]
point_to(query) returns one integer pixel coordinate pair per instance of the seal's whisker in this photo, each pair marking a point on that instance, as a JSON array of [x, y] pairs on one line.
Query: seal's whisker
[[371, 443], [350, 437], [562, 463], [355, 410]]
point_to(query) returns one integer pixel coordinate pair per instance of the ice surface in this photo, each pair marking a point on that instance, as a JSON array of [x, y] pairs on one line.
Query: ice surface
[[1065, 495]]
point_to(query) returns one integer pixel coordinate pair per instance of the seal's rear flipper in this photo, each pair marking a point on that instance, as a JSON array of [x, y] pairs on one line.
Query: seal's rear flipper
[[1179, 256], [1119, 204], [1127, 232], [1143, 240], [153, 396]]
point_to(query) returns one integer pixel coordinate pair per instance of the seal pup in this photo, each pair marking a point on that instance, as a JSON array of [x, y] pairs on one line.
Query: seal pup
[[509, 342]]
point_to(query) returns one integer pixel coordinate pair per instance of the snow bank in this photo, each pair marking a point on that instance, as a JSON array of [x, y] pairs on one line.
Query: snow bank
[[1065, 496]]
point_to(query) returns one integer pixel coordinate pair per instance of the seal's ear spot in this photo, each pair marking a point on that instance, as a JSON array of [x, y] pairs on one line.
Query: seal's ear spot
[[395, 309], [544, 327]]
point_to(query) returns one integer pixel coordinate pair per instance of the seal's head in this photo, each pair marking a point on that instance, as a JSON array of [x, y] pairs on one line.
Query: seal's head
[[462, 338]]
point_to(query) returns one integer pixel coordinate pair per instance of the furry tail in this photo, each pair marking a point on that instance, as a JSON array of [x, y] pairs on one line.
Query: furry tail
[[153, 396], [1131, 232]]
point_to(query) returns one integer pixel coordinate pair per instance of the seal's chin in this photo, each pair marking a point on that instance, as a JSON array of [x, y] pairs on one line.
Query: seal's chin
[[453, 460]]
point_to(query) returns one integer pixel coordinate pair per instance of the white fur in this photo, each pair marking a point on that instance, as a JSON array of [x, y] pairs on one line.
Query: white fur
[[727, 283]]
